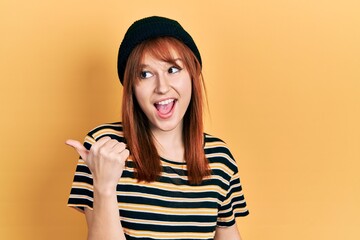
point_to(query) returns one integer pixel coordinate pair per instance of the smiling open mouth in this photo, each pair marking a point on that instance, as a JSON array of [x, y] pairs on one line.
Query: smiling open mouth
[[165, 107]]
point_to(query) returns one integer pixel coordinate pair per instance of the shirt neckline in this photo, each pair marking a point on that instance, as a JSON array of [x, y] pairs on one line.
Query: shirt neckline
[[172, 162]]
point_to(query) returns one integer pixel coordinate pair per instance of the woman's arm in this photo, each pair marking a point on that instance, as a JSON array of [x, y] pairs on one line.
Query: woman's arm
[[103, 221], [227, 233], [106, 161]]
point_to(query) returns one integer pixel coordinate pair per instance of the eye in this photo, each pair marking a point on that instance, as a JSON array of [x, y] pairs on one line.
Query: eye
[[145, 74], [174, 69]]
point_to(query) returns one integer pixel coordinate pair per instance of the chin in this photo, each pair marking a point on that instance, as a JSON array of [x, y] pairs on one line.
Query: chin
[[166, 126]]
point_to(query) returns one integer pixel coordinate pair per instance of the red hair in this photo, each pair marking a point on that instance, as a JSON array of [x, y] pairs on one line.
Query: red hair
[[136, 125]]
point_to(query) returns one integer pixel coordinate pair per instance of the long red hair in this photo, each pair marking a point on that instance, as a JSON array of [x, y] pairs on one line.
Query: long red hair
[[136, 125]]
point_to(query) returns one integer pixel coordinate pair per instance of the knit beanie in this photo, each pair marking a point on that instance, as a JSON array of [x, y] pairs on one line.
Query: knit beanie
[[148, 28]]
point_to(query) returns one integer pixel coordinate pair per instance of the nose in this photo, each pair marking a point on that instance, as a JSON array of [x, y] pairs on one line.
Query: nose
[[162, 84]]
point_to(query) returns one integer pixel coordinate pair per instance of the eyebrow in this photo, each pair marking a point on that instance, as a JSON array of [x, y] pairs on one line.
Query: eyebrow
[[143, 66], [177, 59], [174, 60]]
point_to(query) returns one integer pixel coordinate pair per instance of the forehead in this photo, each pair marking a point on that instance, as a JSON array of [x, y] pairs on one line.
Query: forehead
[[163, 51]]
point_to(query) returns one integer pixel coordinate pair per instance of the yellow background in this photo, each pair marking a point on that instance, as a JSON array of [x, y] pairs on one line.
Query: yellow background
[[283, 82]]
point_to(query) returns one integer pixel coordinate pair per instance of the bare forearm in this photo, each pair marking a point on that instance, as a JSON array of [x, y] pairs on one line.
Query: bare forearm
[[104, 224], [225, 233]]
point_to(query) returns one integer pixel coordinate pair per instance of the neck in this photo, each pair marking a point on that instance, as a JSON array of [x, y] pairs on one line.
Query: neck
[[170, 144]]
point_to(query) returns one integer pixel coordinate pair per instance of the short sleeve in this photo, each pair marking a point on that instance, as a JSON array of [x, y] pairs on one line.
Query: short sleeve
[[233, 205], [81, 193]]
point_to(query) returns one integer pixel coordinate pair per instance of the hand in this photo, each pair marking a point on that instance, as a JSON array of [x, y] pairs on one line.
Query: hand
[[105, 159]]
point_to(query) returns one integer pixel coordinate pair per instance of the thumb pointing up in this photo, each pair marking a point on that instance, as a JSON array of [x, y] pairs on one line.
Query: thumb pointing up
[[83, 152]]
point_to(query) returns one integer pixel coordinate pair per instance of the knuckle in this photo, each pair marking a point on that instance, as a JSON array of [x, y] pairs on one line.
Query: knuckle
[[125, 153], [121, 144], [94, 147], [102, 151]]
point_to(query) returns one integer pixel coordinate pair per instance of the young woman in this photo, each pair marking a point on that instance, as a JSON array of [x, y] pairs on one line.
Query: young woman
[[156, 175]]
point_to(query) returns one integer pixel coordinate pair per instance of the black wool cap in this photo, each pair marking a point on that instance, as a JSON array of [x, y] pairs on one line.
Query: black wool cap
[[148, 28]]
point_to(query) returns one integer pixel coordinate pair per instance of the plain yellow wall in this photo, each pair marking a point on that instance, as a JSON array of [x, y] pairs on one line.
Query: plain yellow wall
[[283, 82]]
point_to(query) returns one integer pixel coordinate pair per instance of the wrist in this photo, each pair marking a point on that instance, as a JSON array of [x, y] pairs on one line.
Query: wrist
[[104, 190]]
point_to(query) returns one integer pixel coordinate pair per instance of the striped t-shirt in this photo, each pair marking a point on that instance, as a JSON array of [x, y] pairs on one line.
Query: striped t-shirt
[[169, 208]]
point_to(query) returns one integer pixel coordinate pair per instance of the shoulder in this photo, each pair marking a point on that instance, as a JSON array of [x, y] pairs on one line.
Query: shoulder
[[217, 152], [113, 130], [215, 145]]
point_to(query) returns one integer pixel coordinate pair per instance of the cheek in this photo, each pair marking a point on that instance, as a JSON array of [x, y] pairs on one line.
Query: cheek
[[187, 88], [140, 96], [184, 84]]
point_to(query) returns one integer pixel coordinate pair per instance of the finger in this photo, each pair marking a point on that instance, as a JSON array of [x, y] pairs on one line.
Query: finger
[[83, 152], [124, 155], [99, 143], [119, 147], [111, 144]]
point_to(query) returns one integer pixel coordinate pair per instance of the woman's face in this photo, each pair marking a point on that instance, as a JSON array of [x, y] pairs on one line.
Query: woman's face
[[163, 92]]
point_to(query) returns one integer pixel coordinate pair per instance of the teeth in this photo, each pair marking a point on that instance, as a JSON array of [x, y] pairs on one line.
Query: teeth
[[165, 102]]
